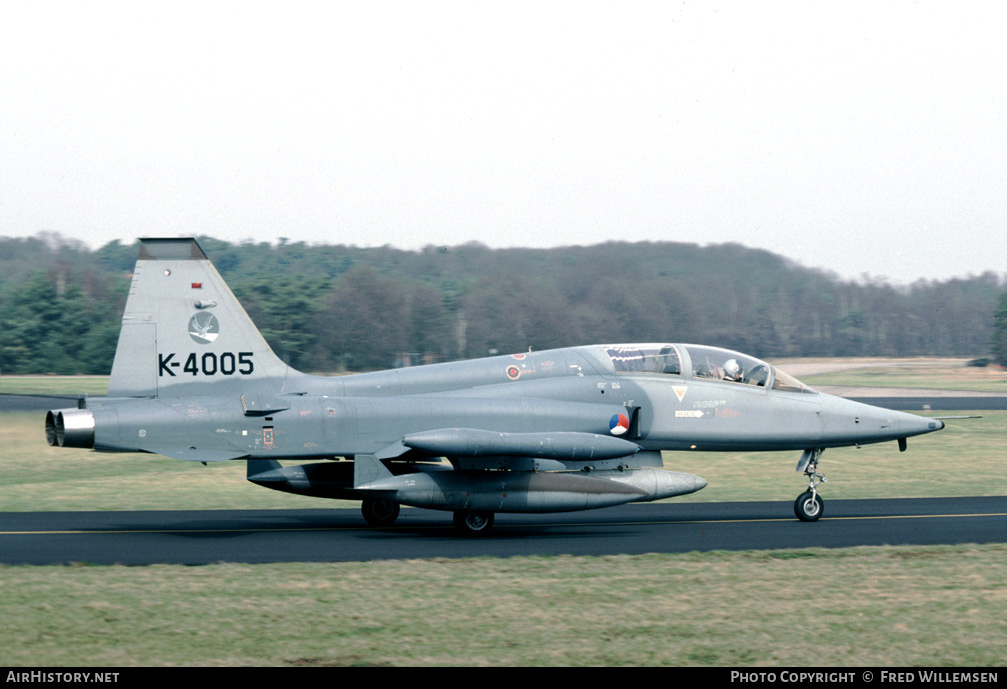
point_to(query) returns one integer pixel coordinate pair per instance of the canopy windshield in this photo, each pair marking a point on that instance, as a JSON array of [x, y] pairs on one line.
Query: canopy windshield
[[734, 367], [785, 381], [645, 359], [711, 363], [723, 364]]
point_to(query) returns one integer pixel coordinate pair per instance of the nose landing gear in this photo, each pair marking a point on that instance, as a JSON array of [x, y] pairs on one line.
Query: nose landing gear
[[809, 505]]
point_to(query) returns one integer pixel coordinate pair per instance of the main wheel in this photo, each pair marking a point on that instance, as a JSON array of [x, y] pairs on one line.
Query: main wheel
[[473, 523], [378, 512], [808, 507]]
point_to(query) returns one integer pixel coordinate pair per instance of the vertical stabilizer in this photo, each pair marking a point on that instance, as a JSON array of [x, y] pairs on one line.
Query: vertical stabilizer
[[184, 332]]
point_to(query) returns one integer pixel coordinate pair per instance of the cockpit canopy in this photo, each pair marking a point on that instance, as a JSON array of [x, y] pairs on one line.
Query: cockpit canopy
[[698, 361]]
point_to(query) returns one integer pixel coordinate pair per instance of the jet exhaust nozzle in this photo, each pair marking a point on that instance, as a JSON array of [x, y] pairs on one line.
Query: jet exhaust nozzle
[[70, 428]]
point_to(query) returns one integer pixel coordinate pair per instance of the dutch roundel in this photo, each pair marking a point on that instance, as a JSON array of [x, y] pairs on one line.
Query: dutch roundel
[[618, 424]]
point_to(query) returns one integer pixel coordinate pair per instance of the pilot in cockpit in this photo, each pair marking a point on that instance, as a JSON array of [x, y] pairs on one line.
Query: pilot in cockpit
[[732, 371]]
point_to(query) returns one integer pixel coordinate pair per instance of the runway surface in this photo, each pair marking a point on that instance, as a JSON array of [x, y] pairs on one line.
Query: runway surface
[[259, 536]]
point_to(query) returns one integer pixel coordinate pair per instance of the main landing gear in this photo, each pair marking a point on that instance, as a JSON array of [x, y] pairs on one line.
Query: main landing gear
[[473, 523], [378, 512], [809, 506]]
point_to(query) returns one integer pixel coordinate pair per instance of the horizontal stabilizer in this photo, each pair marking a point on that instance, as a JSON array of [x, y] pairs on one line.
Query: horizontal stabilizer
[[192, 454], [261, 405], [471, 442]]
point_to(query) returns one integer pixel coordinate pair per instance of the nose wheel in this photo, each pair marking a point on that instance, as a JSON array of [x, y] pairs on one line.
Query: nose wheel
[[809, 505]]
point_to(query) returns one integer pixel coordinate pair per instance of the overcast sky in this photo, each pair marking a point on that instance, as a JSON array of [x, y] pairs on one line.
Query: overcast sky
[[864, 138]]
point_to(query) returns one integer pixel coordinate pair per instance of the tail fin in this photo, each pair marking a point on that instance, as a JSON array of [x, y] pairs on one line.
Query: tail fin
[[184, 332]]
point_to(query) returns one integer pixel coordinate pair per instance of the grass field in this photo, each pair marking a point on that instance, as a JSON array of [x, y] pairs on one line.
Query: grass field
[[53, 385], [886, 607], [864, 606]]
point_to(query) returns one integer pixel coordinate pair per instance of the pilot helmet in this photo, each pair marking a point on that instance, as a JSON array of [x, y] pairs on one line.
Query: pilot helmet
[[731, 368]]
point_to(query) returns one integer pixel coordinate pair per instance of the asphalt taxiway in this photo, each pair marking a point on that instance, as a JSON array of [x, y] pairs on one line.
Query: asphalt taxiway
[[260, 536]]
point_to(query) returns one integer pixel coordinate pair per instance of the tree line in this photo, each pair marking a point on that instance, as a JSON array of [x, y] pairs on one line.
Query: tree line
[[336, 307]]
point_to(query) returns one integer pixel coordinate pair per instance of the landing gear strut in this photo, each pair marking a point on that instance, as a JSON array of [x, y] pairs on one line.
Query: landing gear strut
[[809, 506]]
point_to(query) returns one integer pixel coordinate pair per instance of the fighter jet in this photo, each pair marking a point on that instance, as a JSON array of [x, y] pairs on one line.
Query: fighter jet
[[547, 431]]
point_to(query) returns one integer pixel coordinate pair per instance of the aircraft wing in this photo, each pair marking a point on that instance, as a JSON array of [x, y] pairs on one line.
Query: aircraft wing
[[472, 442]]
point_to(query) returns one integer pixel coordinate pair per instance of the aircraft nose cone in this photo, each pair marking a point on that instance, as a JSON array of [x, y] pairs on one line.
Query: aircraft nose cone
[[849, 422], [917, 425], [905, 425]]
